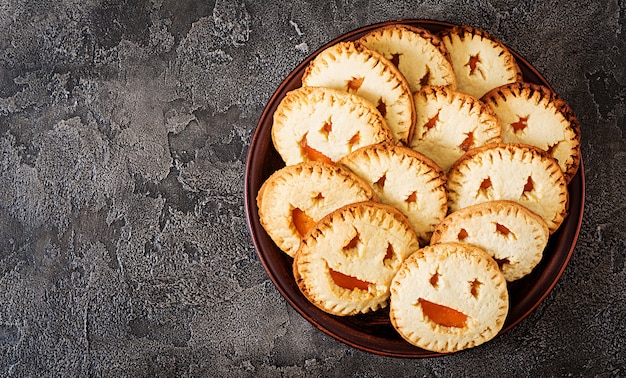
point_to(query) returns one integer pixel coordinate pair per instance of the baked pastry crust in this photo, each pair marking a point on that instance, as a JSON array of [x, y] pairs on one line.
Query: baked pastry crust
[[345, 264], [308, 190], [449, 123], [352, 67], [405, 179], [533, 114], [517, 172], [332, 122], [480, 61], [419, 54], [448, 297], [510, 233]]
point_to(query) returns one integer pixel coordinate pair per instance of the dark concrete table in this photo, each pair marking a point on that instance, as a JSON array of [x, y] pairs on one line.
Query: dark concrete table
[[124, 129]]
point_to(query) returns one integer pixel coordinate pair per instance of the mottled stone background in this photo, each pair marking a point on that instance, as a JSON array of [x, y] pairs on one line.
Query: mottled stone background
[[124, 128]]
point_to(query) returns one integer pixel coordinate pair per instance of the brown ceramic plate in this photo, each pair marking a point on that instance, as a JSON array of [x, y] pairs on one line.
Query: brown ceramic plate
[[374, 332]]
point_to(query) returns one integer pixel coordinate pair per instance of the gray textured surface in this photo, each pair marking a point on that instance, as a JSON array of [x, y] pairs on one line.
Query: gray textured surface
[[124, 128]]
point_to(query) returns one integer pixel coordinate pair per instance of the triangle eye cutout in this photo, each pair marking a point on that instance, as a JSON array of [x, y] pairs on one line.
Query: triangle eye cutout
[[395, 59], [356, 138], [354, 84], [475, 287], [485, 188], [462, 234], [352, 244], [381, 181], [504, 231], [389, 254], [432, 122], [426, 78], [382, 107], [412, 198], [529, 188], [468, 142], [326, 129]]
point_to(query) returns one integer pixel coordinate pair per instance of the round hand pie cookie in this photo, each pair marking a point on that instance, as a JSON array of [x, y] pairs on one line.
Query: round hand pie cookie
[[345, 264], [480, 61], [510, 233], [323, 124], [405, 179], [418, 54], [521, 173], [534, 114], [449, 123], [295, 197], [353, 68], [448, 297]]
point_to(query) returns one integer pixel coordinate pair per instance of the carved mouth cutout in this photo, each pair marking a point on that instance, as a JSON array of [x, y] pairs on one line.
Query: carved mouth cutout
[[442, 315], [301, 221], [348, 282], [311, 153]]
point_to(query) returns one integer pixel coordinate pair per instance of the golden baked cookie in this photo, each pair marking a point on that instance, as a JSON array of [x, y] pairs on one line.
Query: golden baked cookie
[[418, 54], [353, 68], [510, 233], [295, 197], [324, 124], [533, 114], [344, 266], [405, 179], [480, 61], [449, 123], [521, 173], [448, 297]]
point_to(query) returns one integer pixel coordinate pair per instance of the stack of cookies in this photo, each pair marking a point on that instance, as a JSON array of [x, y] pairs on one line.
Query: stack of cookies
[[423, 174]]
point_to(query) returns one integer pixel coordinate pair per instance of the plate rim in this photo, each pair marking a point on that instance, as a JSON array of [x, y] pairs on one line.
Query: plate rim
[[321, 321]]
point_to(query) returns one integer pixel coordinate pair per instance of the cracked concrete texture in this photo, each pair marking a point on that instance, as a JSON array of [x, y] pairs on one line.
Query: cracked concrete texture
[[124, 128]]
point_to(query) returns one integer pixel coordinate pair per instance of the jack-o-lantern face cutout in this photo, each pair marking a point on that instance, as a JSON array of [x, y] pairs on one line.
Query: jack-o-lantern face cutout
[[416, 52], [406, 180], [534, 114], [346, 262], [353, 68], [295, 197], [514, 172], [448, 297], [514, 236]]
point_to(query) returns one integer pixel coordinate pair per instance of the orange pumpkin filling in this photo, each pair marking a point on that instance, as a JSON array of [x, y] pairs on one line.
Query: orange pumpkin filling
[[520, 125], [467, 142], [389, 253], [301, 221], [529, 185], [432, 122], [462, 234], [486, 184], [382, 107], [426, 78], [356, 138], [395, 59], [312, 154], [381, 181], [412, 198], [354, 84], [326, 129], [348, 282], [503, 230], [473, 63], [443, 315]]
